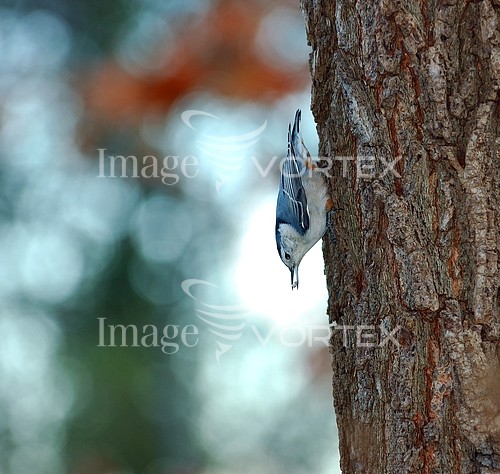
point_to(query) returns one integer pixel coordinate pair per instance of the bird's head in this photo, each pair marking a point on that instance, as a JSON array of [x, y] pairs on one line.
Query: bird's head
[[291, 250]]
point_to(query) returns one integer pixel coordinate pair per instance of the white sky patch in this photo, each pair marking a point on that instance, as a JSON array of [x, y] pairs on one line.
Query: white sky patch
[[263, 281]]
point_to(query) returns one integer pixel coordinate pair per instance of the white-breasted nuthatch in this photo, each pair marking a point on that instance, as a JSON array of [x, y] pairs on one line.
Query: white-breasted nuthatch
[[303, 202]]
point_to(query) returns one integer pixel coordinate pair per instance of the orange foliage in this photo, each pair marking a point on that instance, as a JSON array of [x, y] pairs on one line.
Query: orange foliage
[[214, 54]]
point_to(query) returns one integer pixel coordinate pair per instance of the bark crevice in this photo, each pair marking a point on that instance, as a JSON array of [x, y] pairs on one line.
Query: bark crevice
[[415, 83]]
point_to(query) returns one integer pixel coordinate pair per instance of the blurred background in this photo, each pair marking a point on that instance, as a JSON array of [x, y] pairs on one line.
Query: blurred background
[[139, 162]]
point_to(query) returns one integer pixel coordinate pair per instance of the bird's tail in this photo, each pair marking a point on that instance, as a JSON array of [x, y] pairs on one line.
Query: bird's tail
[[296, 143]]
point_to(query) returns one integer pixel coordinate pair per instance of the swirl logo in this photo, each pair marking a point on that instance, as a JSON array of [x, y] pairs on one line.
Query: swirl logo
[[225, 322], [225, 153]]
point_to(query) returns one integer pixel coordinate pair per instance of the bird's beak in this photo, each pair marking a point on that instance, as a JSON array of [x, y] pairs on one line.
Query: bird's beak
[[294, 272]]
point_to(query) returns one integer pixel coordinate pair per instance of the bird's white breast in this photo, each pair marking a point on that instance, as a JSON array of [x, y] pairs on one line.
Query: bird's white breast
[[316, 194]]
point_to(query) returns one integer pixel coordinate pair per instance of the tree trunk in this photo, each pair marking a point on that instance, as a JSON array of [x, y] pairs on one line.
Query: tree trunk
[[413, 274]]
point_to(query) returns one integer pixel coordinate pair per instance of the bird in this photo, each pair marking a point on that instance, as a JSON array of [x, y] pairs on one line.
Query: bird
[[302, 205]]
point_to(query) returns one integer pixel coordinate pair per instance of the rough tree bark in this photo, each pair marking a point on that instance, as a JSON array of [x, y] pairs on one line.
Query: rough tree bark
[[417, 246]]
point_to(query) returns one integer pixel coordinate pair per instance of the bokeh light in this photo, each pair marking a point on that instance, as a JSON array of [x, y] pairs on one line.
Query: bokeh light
[[212, 84]]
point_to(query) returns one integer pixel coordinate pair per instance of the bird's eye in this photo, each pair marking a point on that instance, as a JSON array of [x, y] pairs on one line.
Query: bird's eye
[[287, 256]]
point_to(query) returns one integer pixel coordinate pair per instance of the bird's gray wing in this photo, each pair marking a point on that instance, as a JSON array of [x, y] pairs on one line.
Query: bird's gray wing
[[292, 201]]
